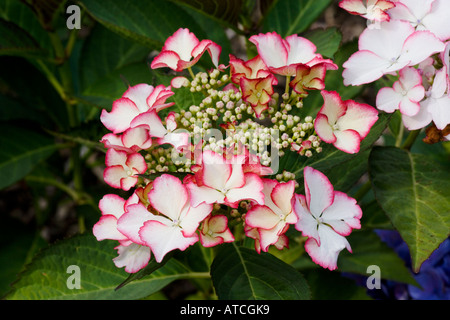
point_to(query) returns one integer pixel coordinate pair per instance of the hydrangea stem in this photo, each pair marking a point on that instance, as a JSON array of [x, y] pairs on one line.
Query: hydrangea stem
[[191, 73], [362, 191], [286, 88], [410, 139], [399, 139]]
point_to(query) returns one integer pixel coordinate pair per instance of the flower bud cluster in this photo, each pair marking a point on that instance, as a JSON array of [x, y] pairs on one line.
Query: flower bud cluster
[[161, 159]]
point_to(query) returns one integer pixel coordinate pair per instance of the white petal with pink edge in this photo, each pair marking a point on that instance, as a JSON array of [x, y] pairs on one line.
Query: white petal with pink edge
[[347, 141], [182, 42], [139, 94], [344, 210], [135, 217], [112, 204], [122, 113], [168, 196], [191, 217], [358, 117], [319, 191], [324, 129], [331, 244], [271, 49], [204, 194], [251, 190], [282, 195], [133, 257], [261, 217], [106, 228], [165, 237]]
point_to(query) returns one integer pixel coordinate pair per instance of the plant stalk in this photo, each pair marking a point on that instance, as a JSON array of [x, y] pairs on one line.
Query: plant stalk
[[410, 139]]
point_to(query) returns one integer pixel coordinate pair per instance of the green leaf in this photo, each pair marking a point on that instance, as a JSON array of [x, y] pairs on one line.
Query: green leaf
[[104, 52], [327, 40], [288, 17], [46, 277], [15, 41], [23, 16], [112, 85], [374, 216], [222, 11], [108, 64], [345, 175], [331, 285], [21, 150], [147, 22], [414, 191], [46, 10], [20, 242], [367, 250], [12, 109], [239, 273], [33, 91]]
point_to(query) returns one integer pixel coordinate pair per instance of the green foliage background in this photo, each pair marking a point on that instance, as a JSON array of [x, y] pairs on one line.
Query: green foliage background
[[53, 84]]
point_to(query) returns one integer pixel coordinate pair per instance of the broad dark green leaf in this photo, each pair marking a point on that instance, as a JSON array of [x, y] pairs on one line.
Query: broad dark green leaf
[[12, 109], [287, 17], [374, 216], [327, 41], [414, 191], [20, 241], [15, 41], [23, 16], [22, 83], [223, 11], [147, 22], [104, 52], [46, 10], [331, 285], [46, 277], [108, 64], [368, 250], [20, 151], [239, 273]]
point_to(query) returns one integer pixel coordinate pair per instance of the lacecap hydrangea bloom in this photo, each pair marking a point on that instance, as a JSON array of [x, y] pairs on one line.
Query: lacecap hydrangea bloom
[[207, 174]]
